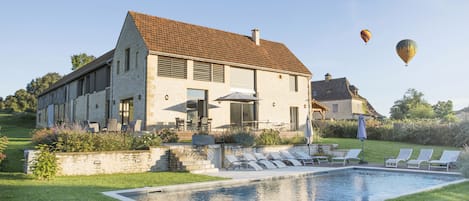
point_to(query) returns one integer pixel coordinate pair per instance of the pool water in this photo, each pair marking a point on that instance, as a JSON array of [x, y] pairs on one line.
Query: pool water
[[352, 184]]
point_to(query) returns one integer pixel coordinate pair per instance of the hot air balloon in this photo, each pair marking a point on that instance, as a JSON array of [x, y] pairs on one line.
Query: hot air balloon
[[406, 49], [366, 35]]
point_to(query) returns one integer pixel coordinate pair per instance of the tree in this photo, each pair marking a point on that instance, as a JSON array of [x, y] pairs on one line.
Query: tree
[[444, 111], [412, 106], [1, 103], [79, 60], [40, 84], [25, 100]]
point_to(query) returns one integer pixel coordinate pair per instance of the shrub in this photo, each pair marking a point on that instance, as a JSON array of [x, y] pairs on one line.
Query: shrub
[[269, 137], [146, 141], [464, 162], [168, 136], [298, 139], [244, 138], [43, 136], [44, 166]]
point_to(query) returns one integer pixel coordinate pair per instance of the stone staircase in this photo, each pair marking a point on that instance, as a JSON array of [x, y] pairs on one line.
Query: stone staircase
[[191, 160]]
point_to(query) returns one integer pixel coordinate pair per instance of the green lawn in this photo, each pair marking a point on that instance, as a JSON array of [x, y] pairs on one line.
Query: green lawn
[[19, 187], [19, 138], [455, 192]]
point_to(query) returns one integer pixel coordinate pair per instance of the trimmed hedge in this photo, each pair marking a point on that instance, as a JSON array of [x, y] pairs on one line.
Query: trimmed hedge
[[419, 132]]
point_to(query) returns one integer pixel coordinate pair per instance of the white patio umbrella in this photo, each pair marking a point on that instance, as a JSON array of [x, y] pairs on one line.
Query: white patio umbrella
[[361, 135], [308, 133]]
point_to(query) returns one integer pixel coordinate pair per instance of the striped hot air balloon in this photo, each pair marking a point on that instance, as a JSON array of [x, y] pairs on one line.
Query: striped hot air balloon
[[406, 49], [365, 34]]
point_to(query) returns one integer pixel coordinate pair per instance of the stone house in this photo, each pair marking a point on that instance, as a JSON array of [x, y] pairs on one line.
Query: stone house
[[162, 69], [341, 98]]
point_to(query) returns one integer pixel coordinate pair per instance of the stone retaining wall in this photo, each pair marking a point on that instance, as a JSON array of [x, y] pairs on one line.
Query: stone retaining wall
[[92, 163]]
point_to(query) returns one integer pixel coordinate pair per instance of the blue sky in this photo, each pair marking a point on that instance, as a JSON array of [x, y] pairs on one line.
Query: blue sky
[[38, 37]]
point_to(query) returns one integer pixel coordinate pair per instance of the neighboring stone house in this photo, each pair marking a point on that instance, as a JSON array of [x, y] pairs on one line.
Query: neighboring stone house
[[341, 98], [463, 114], [162, 69]]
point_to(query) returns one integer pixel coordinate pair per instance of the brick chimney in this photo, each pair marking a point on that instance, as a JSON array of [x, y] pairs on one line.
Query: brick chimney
[[327, 77], [256, 37]]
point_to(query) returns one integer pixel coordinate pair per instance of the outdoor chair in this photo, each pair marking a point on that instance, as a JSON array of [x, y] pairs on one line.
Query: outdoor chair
[[264, 163], [304, 157], [135, 125], [234, 162], [278, 163], [352, 154], [113, 126], [92, 127], [180, 124], [424, 157], [288, 161], [287, 155], [404, 155], [447, 159]]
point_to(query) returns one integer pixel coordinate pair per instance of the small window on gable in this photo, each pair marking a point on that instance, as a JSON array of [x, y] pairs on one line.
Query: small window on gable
[[136, 59], [293, 83], [127, 60]]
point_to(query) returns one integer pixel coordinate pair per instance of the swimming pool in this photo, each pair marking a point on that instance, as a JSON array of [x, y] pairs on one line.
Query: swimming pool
[[346, 184]]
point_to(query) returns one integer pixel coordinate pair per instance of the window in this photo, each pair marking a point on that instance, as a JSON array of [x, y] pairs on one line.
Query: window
[[87, 84], [315, 93], [335, 108], [80, 87], [172, 67], [242, 79], [127, 60], [293, 83], [202, 71], [126, 111], [136, 59], [242, 114], [209, 72], [218, 73]]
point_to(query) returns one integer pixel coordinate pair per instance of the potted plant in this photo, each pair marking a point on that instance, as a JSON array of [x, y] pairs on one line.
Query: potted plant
[[202, 138]]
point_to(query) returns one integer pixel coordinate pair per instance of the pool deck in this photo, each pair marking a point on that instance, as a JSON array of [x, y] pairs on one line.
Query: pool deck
[[271, 173]]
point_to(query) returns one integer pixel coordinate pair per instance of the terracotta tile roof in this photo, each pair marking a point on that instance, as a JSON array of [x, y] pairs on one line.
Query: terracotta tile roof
[[93, 65], [168, 36]]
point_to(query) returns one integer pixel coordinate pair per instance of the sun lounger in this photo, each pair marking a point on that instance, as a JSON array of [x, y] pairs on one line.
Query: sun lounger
[[447, 159], [304, 157], [424, 157], [288, 161], [352, 154], [278, 163], [234, 163], [264, 163], [404, 155]]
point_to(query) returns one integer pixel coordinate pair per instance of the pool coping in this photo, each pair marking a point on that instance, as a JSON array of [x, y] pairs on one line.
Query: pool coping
[[243, 181]]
